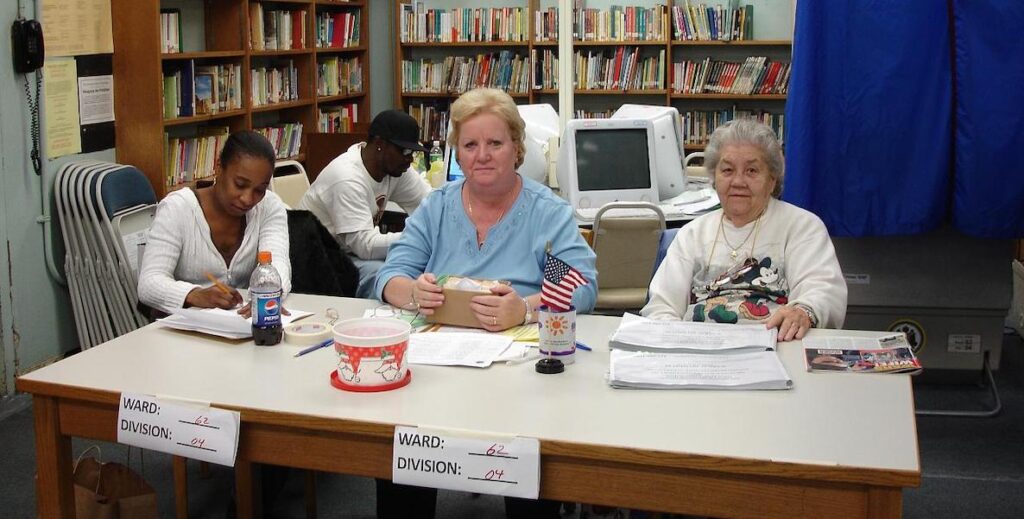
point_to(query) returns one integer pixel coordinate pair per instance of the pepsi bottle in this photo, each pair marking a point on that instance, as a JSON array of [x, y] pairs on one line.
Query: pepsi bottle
[[265, 296]]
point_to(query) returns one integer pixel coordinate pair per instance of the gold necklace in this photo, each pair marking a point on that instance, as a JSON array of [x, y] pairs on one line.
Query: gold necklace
[[734, 251], [505, 207]]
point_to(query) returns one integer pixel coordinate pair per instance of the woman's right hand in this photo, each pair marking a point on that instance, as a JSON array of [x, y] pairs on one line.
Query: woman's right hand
[[426, 295], [213, 297]]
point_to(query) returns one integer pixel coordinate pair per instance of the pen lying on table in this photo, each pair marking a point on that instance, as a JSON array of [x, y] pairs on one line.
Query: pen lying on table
[[315, 347], [582, 346]]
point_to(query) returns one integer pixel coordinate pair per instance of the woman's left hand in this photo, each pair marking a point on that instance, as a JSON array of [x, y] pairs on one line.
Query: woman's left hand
[[499, 311], [791, 321]]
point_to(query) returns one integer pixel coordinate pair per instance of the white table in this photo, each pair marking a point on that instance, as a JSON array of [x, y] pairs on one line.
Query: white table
[[836, 445]]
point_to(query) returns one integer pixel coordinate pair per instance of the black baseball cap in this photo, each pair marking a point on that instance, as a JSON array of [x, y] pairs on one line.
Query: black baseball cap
[[398, 128]]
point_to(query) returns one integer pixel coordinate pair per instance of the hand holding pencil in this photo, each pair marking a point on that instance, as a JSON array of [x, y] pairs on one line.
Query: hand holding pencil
[[217, 295]]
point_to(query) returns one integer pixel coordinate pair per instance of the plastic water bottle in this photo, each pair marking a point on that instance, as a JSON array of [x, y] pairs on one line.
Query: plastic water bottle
[[265, 296], [436, 173]]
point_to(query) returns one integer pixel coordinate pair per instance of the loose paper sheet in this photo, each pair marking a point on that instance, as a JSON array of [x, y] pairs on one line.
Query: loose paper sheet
[[456, 349], [653, 370], [75, 27], [63, 134]]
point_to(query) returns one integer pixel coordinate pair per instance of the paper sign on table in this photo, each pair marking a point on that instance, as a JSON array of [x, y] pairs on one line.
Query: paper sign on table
[[504, 466], [194, 431]]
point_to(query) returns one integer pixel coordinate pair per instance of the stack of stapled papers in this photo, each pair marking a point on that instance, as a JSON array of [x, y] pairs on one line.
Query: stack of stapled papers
[[222, 323], [648, 354]]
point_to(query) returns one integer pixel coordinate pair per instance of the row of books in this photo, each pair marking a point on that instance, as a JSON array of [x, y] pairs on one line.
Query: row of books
[[432, 119], [170, 30], [580, 113], [756, 75], [286, 138], [714, 23], [504, 70], [698, 125], [276, 30], [272, 85], [622, 69], [545, 69], [617, 23], [338, 29], [190, 90], [420, 25], [337, 76], [338, 118], [194, 158]]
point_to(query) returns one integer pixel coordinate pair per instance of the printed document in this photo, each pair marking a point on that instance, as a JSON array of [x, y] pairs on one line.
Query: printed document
[[222, 323], [477, 350], [641, 334], [656, 370]]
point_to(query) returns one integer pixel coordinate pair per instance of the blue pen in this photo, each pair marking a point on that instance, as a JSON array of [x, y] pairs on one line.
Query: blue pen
[[315, 347], [582, 346]]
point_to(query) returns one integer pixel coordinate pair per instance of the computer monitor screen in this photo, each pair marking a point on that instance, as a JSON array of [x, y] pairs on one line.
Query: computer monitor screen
[[667, 144], [607, 159], [454, 172]]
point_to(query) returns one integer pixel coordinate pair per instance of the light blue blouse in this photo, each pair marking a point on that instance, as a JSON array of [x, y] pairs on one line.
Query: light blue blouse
[[439, 238]]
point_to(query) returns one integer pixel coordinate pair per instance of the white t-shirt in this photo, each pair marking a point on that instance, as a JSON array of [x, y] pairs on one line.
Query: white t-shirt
[[349, 202], [793, 262]]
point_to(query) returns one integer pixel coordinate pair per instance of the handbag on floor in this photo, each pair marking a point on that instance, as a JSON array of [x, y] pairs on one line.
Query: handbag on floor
[[110, 490]]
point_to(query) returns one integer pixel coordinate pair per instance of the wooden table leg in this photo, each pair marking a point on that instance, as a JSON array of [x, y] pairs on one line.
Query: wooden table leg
[[248, 491], [180, 486], [310, 494], [885, 503], [55, 495]]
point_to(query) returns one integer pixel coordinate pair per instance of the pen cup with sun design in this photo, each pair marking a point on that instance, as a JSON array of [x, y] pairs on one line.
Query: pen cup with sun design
[[557, 333]]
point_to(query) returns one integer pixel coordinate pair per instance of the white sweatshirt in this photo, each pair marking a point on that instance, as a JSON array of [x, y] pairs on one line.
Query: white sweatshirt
[[796, 263]]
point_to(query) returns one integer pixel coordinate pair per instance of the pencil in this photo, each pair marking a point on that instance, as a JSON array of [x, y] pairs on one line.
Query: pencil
[[218, 283]]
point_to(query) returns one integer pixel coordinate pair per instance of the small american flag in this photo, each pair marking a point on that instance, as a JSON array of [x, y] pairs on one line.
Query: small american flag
[[560, 280]]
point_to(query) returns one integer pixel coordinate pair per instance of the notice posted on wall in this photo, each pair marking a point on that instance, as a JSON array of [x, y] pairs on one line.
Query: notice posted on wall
[[500, 465]]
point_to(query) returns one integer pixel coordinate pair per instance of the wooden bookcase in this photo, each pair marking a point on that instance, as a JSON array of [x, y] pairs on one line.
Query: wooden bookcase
[[217, 32], [603, 99]]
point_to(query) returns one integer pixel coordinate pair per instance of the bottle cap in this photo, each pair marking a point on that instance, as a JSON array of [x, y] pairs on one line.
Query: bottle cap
[[264, 256], [549, 366]]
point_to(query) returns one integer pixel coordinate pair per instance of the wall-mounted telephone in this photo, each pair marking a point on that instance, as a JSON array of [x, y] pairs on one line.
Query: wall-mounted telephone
[[27, 45]]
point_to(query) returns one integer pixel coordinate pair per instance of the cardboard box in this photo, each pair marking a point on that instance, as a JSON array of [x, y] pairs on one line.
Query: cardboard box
[[455, 310]]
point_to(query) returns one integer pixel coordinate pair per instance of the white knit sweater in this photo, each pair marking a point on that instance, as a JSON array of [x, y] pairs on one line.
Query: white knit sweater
[[180, 250]]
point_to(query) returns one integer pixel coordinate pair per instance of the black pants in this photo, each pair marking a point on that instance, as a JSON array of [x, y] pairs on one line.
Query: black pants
[[405, 501]]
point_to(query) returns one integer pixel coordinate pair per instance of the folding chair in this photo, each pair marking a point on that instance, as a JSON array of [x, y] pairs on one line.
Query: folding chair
[[626, 248], [290, 186]]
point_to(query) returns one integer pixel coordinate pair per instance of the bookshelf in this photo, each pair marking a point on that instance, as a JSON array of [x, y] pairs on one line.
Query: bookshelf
[[240, 64], [649, 36]]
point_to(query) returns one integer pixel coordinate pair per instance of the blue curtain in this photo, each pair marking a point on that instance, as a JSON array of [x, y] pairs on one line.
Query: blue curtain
[[988, 192], [868, 120]]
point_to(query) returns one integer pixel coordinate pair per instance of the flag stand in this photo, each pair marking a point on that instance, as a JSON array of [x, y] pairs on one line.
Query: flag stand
[[549, 366]]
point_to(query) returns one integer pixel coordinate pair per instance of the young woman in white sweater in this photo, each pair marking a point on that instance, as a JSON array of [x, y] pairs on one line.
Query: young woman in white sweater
[[217, 230]]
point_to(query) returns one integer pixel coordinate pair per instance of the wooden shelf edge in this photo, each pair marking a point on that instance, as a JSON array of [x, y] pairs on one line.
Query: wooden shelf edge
[[752, 43], [339, 97], [272, 53], [466, 44], [211, 54], [281, 106], [335, 50], [203, 118], [756, 97]]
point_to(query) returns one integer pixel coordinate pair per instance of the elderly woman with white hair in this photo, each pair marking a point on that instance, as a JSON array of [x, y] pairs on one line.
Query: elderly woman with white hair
[[757, 259]]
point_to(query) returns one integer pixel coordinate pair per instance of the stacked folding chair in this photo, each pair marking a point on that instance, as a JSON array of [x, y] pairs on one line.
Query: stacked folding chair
[[105, 211]]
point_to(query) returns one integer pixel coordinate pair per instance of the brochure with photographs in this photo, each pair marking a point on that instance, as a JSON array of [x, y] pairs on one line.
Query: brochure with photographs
[[889, 354]]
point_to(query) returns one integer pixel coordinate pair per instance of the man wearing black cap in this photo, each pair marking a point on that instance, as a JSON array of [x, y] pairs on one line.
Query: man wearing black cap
[[350, 194]]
